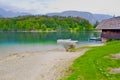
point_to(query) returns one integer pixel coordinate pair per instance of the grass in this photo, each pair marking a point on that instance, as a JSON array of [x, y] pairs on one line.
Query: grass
[[95, 65]]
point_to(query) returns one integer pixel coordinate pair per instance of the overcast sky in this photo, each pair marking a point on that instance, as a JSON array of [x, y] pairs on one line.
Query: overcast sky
[[111, 7]]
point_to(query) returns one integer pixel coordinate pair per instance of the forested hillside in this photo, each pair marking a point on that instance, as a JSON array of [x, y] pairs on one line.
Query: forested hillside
[[44, 23]]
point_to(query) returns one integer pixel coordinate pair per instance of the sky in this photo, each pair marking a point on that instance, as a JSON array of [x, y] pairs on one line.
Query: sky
[[111, 7]]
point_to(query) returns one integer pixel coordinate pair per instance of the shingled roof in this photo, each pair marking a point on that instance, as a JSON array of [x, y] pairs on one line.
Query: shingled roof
[[112, 23]]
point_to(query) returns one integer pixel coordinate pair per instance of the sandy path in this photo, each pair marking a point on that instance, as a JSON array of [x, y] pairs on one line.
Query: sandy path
[[49, 65]]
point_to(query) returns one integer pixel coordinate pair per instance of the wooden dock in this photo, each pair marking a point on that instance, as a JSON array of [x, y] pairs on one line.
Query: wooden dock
[[95, 38]]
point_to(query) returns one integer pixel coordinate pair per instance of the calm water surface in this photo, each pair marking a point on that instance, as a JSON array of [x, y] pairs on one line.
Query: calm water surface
[[17, 42]]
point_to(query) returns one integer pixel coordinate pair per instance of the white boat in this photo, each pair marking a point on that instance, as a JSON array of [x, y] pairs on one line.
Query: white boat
[[64, 41]]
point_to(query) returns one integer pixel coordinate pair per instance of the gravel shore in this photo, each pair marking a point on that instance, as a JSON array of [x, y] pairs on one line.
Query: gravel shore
[[49, 65]]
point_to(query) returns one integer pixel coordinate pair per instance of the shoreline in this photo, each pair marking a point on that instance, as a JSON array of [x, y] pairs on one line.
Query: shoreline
[[49, 65], [28, 31], [53, 31]]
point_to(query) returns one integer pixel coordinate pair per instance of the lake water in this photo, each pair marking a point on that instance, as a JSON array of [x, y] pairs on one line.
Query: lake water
[[17, 42]]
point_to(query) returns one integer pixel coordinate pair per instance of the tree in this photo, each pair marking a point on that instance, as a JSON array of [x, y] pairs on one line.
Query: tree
[[94, 26], [44, 23], [43, 27]]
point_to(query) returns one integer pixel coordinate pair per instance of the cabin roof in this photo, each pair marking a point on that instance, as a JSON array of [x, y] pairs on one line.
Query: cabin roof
[[112, 23]]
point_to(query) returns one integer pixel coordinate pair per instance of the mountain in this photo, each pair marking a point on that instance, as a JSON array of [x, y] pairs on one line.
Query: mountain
[[92, 18], [100, 17], [0, 16], [5, 13]]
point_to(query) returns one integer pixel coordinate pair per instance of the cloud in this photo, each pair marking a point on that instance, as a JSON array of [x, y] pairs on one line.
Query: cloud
[[46, 6], [95, 6], [31, 6]]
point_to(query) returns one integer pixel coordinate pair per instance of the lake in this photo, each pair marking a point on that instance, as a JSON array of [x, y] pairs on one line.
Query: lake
[[18, 42]]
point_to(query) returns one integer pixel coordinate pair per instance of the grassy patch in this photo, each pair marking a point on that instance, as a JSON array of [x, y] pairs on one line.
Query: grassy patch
[[94, 65], [79, 49]]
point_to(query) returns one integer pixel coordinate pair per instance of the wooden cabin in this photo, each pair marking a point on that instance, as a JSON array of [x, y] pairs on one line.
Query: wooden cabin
[[110, 29]]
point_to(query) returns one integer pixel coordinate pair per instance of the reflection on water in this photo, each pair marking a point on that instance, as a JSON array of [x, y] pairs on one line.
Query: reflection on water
[[33, 41]]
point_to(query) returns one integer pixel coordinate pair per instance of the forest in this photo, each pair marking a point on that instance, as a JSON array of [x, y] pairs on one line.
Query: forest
[[44, 23]]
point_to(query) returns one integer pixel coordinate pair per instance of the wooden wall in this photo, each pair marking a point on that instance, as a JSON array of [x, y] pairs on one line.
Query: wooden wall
[[111, 34]]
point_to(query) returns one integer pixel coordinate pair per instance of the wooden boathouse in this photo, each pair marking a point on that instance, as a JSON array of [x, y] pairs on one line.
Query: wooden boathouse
[[110, 29]]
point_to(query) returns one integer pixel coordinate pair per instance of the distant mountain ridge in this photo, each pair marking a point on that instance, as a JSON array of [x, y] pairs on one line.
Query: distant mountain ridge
[[100, 17], [5, 13], [0, 16], [92, 18]]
